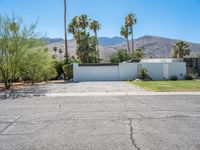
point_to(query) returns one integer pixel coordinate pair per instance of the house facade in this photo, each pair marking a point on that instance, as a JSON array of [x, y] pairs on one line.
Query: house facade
[[158, 69]]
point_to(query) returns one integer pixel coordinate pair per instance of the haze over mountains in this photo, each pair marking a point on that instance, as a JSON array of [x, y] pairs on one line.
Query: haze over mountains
[[153, 46]]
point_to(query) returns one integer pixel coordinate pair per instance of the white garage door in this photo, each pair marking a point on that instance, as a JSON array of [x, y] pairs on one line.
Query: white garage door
[[98, 73]]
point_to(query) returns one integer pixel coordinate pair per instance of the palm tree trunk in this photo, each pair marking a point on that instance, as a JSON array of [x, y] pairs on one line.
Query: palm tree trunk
[[132, 39], [97, 45], [65, 30], [128, 46]]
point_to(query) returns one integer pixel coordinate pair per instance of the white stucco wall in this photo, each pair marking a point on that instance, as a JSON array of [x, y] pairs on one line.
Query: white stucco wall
[[155, 70], [177, 69], [127, 71]]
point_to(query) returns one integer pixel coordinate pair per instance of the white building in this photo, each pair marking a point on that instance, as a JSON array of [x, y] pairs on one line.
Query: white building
[[158, 69]]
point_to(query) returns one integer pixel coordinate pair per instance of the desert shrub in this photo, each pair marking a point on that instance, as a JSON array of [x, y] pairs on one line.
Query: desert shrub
[[144, 74], [189, 77], [40, 67], [58, 65], [50, 74], [68, 71], [174, 78]]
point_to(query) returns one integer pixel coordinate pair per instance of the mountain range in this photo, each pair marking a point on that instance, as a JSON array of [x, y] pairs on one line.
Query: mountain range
[[153, 46]]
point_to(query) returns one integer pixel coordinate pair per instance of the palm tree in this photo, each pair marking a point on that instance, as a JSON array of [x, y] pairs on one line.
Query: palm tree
[[60, 51], [55, 49], [180, 50], [84, 22], [65, 30], [130, 21], [95, 26], [124, 32]]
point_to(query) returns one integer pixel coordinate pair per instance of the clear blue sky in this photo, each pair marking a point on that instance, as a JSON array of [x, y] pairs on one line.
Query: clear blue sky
[[168, 18]]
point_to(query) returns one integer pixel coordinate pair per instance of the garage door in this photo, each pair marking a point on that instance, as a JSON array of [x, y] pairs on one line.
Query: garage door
[[98, 72]]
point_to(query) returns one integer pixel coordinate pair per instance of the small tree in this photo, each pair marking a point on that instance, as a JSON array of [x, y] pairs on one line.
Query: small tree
[[16, 40], [137, 54], [120, 56]]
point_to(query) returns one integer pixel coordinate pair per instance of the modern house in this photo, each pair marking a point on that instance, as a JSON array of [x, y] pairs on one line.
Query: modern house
[[158, 69]]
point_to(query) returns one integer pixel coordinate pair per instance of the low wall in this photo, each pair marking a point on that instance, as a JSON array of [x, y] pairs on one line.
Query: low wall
[[127, 71]]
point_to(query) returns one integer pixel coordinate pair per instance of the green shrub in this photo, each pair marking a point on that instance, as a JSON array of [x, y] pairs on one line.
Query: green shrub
[[51, 74], [58, 65], [68, 71], [144, 74], [120, 56], [189, 77], [174, 78]]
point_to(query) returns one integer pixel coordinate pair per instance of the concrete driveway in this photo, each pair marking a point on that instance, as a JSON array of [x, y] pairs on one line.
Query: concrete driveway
[[79, 88], [118, 86], [100, 123]]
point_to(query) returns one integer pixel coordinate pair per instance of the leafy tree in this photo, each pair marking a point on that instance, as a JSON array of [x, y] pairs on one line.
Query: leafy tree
[[137, 54], [180, 50], [16, 40], [95, 26], [125, 32], [130, 21], [120, 56]]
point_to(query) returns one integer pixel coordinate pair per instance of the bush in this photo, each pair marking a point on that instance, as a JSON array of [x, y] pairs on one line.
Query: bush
[[189, 77], [144, 74], [174, 78], [120, 56], [51, 74], [68, 71], [58, 65]]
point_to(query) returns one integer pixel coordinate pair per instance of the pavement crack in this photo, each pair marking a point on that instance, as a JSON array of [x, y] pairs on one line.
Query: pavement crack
[[148, 105], [42, 128], [10, 124], [131, 135]]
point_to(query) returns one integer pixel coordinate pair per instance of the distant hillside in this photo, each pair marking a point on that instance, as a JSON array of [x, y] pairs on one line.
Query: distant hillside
[[49, 40], [153, 46]]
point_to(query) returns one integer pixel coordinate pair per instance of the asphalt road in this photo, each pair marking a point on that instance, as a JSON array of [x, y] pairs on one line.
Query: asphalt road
[[100, 123]]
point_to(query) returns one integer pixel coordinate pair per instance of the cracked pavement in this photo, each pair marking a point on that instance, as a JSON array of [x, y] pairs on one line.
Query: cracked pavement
[[100, 123]]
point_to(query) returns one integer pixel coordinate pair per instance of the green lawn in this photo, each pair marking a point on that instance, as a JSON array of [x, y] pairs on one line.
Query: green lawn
[[169, 86]]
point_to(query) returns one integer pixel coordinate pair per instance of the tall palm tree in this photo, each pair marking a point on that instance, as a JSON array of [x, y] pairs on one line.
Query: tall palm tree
[[95, 26], [84, 22], [130, 21], [181, 49], [65, 30], [124, 32]]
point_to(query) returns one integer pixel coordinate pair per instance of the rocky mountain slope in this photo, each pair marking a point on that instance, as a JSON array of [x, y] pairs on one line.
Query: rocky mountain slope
[[153, 46]]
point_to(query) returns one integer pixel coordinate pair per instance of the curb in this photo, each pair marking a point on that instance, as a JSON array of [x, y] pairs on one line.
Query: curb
[[89, 94]]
